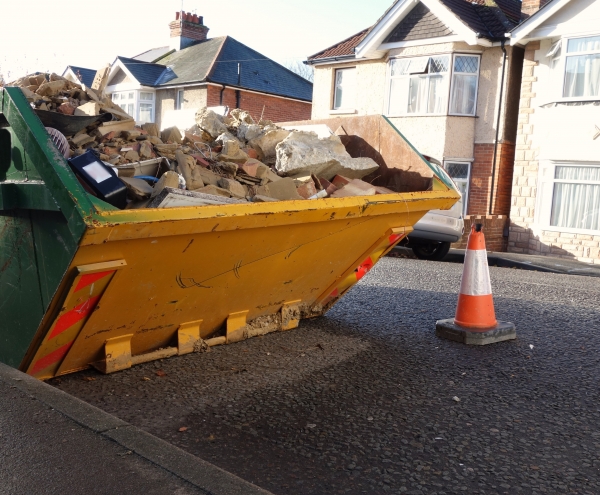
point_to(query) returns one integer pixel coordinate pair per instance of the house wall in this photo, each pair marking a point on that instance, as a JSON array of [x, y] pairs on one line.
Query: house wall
[[549, 132], [269, 107], [194, 97], [447, 137]]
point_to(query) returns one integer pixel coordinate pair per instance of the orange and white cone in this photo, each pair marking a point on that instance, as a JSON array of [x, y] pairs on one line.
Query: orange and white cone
[[475, 320]]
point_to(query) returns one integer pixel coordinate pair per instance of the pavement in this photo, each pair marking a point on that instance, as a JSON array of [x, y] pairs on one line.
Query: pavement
[[53, 443], [545, 264], [369, 400]]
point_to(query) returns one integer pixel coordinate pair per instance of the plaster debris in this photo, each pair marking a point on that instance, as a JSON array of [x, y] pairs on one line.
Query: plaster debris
[[222, 159]]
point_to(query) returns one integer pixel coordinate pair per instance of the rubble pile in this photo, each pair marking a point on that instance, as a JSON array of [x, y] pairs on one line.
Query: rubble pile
[[53, 93], [219, 160]]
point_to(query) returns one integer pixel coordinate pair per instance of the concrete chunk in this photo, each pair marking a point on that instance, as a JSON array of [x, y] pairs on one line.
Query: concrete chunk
[[283, 189], [210, 122], [355, 187], [171, 134], [51, 88], [266, 143], [138, 188], [89, 108], [168, 179], [189, 170], [303, 153], [231, 151], [233, 187]]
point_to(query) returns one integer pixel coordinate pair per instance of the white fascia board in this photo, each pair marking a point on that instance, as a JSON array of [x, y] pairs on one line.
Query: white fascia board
[[344, 61], [369, 46], [67, 70], [520, 33], [117, 64]]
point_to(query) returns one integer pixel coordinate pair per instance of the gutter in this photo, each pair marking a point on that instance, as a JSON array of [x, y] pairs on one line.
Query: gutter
[[497, 127], [329, 59]]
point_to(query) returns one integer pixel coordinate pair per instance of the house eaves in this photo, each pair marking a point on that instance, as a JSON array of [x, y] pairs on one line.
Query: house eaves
[[520, 34], [474, 30]]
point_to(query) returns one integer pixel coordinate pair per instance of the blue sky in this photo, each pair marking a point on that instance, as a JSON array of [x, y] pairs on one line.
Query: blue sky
[[36, 35]]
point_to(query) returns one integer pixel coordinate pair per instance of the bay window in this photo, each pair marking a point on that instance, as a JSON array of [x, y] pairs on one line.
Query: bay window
[[570, 196], [464, 85], [421, 85], [138, 104]]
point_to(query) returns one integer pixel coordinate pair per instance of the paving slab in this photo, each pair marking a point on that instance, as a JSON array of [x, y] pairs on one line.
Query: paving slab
[[51, 442]]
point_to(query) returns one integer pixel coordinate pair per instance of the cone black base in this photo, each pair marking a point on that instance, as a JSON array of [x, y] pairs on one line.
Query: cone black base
[[447, 329]]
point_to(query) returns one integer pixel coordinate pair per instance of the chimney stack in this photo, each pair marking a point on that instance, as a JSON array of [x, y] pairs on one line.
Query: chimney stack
[[530, 7], [186, 30]]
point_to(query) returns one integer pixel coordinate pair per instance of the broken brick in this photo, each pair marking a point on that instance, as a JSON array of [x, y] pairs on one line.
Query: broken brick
[[339, 181], [307, 189], [66, 108]]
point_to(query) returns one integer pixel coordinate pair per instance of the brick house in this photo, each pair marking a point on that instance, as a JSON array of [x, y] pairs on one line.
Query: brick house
[[556, 190], [440, 71], [168, 84]]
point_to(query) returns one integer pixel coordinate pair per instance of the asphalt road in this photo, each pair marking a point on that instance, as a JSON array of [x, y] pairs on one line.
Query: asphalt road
[[368, 400]]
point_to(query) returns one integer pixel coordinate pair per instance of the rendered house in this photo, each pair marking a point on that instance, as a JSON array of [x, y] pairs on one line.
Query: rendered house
[[194, 71], [437, 69], [556, 190]]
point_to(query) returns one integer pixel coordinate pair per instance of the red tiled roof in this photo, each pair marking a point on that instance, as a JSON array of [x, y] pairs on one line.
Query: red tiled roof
[[478, 15], [343, 48]]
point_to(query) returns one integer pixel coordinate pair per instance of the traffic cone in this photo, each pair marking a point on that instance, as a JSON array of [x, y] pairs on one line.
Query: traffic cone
[[475, 320]]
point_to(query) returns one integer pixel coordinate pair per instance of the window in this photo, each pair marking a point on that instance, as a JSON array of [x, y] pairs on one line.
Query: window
[[570, 196], [460, 173], [146, 113], [180, 100], [421, 85], [582, 68], [138, 104], [345, 89], [464, 85]]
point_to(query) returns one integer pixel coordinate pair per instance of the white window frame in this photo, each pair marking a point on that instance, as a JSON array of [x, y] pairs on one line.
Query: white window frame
[[478, 57], [562, 67], [545, 195], [346, 109], [180, 99], [133, 97], [146, 102], [465, 198], [449, 87]]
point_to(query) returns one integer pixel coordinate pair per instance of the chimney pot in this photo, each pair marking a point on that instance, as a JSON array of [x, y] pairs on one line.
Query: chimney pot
[[195, 19], [177, 15], [200, 19]]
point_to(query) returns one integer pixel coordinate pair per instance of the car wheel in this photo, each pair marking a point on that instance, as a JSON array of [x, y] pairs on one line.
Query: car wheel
[[434, 251]]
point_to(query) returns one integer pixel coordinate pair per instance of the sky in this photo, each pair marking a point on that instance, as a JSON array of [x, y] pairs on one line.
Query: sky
[[37, 35]]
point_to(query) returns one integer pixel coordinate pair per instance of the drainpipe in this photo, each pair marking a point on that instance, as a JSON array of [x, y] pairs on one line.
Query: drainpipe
[[237, 93], [497, 127], [221, 96]]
